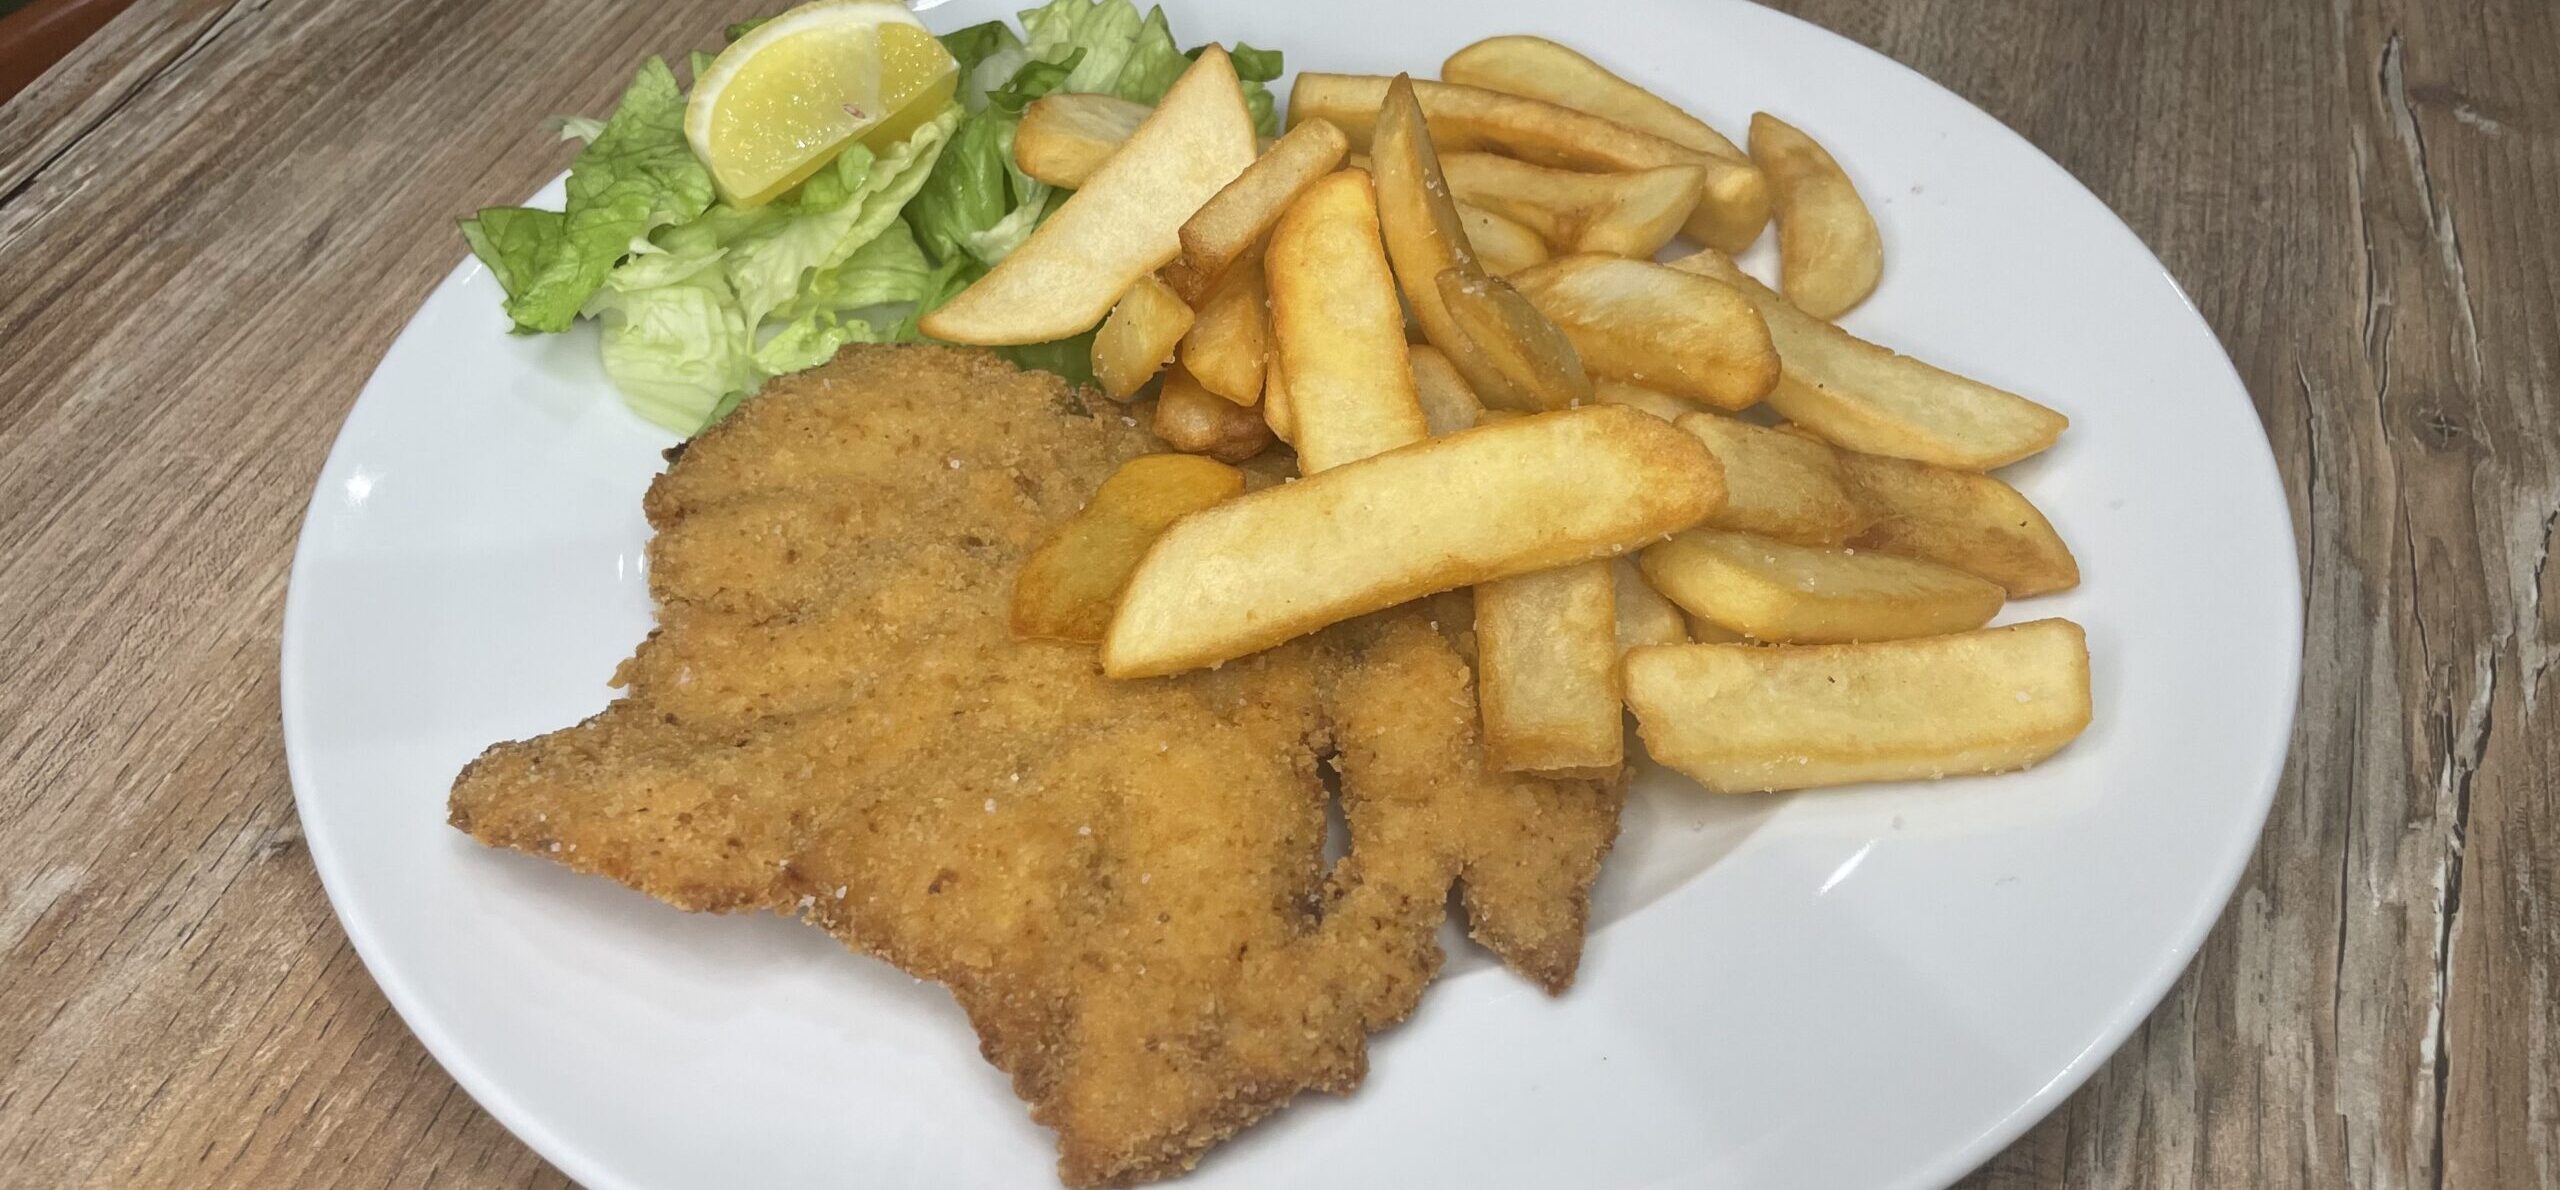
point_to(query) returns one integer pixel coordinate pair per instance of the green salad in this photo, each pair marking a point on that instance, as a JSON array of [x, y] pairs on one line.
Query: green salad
[[700, 302]]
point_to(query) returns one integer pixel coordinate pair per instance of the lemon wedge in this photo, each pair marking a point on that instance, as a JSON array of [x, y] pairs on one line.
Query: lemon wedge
[[782, 101]]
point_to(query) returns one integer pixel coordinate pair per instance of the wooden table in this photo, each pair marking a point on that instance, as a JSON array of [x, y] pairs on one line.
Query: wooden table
[[215, 215]]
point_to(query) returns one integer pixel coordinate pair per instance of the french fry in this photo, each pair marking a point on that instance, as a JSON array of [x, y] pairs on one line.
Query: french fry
[[1232, 224], [1194, 420], [1964, 519], [1501, 245], [1064, 137], [1630, 213], [1730, 213], [1484, 504], [1829, 253], [1537, 68], [1425, 237], [1448, 405], [1547, 672], [1138, 337], [1640, 322], [1782, 485], [1740, 719], [1277, 413], [1855, 394], [1338, 329], [1530, 353], [1231, 339], [1660, 404], [1122, 225], [1644, 616], [1707, 632], [1770, 590], [1068, 586]]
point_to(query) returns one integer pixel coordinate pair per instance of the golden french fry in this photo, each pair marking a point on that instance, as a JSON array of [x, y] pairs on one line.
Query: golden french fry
[[1730, 212], [1631, 213], [1425, 237], [1530, 353], [1276, 410], [1707, 632], [1448, 405], [1068, 586], [1064, 137], [1644, 616], [1864, 397], [1782, 485], [1964, 519], [1230, 225], [1829, 252], [1479, 505], [1231, 339], [1640, 322], [1138, 337], [1660, 404], [1338, 329], [1122, 225], [1537, 68], [1772, 590], [1742, 719], [1196, 421], [1547, 672], [1501, 245]]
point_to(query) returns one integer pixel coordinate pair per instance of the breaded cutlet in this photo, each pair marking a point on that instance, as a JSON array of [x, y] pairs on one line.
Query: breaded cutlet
[[1123, 883]]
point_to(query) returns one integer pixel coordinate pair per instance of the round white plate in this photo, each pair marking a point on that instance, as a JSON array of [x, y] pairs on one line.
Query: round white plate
[[1866, 988]]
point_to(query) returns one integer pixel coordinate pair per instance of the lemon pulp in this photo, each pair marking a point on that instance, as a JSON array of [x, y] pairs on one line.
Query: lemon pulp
[[786, 99]]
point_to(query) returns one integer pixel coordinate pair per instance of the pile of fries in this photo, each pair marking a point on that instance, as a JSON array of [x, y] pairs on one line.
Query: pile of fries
[[1671, 488]]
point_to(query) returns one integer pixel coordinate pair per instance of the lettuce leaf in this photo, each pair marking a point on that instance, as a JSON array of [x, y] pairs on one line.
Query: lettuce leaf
[[860, 195], [874, 296], [675, 350], [637, 175]]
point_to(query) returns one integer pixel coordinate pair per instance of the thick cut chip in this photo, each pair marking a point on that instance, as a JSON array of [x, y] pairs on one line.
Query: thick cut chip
[[1068, 587], [1730, 213], [1230, 341], [1233, 223], [1531, 354], [1644, 616], [1770, 590], [1707, 632], [1426, 236], [1488, 503], [1138, 337], [1547, 672], [1501, 245], [1829, 252], [1338, 329], [1196, 421], [1122, 225], [1782, 485], [1964, 519], [1064, 137], [1744, 719], [1448, 405], [1541, 69], [1634, 396], [1276, 409], [1855, 394], [1633, 213], [1637, 321]]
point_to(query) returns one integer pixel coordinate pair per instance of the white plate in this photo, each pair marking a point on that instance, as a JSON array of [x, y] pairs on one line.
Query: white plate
[[1868, 988]]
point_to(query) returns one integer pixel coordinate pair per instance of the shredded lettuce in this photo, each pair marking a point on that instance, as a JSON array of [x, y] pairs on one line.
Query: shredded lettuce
[[700, 302], [635, 176]]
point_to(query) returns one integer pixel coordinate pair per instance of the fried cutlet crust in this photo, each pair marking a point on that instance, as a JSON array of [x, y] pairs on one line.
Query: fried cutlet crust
[[1122, 883]]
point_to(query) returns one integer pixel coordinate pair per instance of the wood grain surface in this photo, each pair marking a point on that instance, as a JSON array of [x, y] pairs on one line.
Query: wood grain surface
[[215, 215]]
